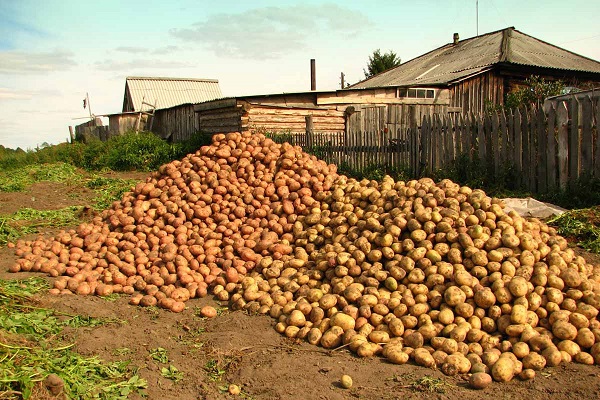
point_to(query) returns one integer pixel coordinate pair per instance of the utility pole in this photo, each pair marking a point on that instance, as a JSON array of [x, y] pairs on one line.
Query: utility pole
[[477, 16]]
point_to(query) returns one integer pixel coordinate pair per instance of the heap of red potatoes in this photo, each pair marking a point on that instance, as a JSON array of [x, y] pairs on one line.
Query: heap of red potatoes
[[435, 273]]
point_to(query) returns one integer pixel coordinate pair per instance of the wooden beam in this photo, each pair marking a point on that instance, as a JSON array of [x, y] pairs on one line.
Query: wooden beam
[[211, 105]]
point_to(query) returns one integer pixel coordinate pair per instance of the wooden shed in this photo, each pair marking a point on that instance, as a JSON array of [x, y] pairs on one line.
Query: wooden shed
[[330, 111], [481, 70]]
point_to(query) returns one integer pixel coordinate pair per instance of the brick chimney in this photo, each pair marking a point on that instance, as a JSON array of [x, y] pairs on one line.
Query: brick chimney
[[455, 38]]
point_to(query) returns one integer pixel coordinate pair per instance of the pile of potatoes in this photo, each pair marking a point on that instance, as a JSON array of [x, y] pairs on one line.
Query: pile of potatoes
[[203, 221], [434, 273]]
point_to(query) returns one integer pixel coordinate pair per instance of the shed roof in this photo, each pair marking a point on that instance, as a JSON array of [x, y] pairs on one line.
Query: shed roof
[[167, 92], [453, 62]]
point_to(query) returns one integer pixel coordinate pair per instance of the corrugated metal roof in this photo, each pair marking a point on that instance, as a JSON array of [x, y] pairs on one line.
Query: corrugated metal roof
[[452, 62], [168, 92]]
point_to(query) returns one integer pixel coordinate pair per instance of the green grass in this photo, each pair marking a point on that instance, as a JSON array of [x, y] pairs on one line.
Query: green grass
[[108, 190], [27, 221], [19, 179], [31, 348], [582, 225]]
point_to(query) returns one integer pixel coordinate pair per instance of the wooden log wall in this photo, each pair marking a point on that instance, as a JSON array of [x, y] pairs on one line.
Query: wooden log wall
[[281, 120], [472, 94], [220, 120]]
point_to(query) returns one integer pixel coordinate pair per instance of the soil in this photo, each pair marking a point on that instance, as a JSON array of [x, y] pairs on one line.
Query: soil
[[241, 349]]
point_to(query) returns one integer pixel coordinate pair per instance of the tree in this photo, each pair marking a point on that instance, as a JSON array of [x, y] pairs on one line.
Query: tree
[[381, 62], [535, 91]]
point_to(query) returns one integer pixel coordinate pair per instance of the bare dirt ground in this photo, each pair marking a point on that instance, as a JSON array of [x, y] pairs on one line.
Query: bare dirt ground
[[236, 348]]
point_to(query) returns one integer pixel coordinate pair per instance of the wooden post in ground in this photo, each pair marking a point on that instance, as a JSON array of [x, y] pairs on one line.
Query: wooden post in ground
[[310, 136]]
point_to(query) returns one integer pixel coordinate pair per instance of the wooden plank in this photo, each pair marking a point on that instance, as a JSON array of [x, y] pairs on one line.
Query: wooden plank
[[542, 151], [494, 143], [489, 144], [453, 140], [586, 136], [597, 146], [424, 151], [532, 151], [562, 122], [518, 145], [574, 153], [551, 165], [510, 137], [480, 140], [525, 130], [503, 132]]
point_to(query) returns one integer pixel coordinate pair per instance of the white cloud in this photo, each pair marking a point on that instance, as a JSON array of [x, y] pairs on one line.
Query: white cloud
[[11, 94], [16, 62], [139, 64], [131, 49], [270, 32]]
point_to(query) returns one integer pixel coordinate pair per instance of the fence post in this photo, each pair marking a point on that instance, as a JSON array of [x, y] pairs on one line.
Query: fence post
[[551, 143], [586, 135], [597, 147], [574, 152], [542, 150], [309, 131], [562, 121]]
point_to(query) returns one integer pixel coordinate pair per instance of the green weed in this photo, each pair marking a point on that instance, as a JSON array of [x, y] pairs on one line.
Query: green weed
[[108, 190], [582, 225], [429, 384], [171, 373], [159, 354], [19, 179], [30, 350], [27, 221]]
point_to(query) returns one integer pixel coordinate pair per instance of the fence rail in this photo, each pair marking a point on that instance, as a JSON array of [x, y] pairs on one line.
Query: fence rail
[[545, 149]]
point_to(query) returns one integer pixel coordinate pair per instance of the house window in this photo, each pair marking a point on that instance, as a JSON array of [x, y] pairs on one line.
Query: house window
[[416, 93]]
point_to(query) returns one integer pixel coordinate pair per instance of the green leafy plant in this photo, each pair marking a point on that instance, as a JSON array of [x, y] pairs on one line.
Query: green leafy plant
[[171, 373], [533, 93], [159, 354], [27, 221], [31, 349], [582, 225]]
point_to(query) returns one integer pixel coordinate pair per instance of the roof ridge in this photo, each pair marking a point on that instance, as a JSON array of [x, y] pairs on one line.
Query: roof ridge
[[160, 78]]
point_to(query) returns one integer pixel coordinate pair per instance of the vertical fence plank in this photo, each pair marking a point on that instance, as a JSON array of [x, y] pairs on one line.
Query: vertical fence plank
[[542, 151], [510, 136], [586, 136], [562, 122], [518, 145], [532, 151], [425, 139], [494, 143], [551, 150], [597, 145], [455, 120], [481, 139], [525, 129], [452, 140], [503, 131], [574, 153]]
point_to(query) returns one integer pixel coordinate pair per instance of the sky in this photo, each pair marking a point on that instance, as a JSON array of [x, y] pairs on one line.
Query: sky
[[53, 52]]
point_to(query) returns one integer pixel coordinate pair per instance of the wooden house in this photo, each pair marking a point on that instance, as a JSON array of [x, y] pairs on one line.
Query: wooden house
[[472, 72], [162, 105]]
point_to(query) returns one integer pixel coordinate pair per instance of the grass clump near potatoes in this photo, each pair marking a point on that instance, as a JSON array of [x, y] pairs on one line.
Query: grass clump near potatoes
[[32, 352], [28, 220], [582, 225], [419, 271], [18, 180]]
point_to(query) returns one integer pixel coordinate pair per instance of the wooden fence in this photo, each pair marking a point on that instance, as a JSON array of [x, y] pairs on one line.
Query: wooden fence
[[544, 150]]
